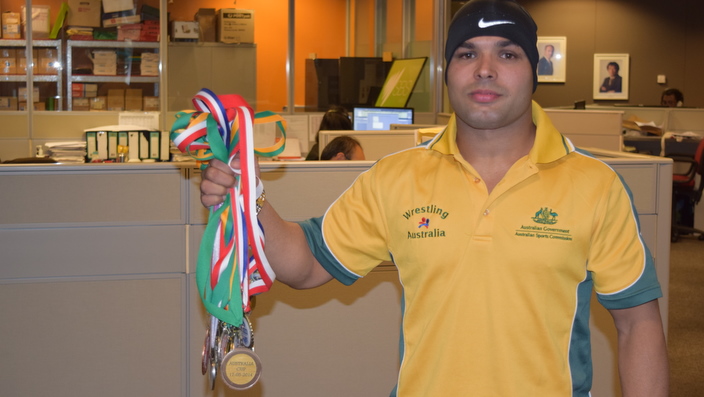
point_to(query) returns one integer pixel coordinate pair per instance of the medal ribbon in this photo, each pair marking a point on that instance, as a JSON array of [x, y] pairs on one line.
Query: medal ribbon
[[232, 249]]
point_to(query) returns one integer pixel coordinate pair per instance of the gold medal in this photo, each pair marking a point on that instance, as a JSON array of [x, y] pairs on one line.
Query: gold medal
[[241, 368]]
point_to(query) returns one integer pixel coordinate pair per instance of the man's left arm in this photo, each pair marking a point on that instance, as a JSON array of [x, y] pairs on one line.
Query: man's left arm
[[642, 351]]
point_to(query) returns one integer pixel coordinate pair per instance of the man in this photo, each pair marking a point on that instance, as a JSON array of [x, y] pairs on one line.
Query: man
[[672, 97], [499, 229], [545, 63]]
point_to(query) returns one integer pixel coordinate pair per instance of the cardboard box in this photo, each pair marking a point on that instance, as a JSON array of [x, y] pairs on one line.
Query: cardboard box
[[117, 5], [104, 63], [88, 90], [81, 104], [47, 61], [112, 22], [235, 25], [22, 94], [184, 30], [105, 70], [83, 13], [99, 103], [8, 61], [37, 106], [133, 99], [41, 25], [116, 99], [207, 19], [151, 103], [11, 25], [8, 103], [149, 64], [22, 60], [150, 31], [131, 31]]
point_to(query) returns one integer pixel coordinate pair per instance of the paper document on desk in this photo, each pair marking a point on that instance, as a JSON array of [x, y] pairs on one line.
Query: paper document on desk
[[648, 127]]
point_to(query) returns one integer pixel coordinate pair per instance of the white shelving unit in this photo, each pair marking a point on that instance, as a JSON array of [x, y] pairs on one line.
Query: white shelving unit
[[128, 78], [30, 77]]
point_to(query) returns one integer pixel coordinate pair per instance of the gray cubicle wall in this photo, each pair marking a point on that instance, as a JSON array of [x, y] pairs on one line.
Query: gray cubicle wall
[[97, 284], [589, 128], [376, 144]]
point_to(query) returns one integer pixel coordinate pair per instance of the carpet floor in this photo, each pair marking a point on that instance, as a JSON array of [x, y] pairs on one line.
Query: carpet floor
[[686, 318]]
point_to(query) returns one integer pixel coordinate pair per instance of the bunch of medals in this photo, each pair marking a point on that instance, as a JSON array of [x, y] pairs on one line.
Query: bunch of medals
[[232, 249], [230, 350]]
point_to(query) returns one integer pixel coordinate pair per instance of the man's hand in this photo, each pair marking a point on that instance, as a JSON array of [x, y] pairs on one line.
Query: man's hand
[[286, 245], [217, 178]]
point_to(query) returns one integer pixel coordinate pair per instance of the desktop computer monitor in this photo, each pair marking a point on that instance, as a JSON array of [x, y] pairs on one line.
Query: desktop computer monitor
[[376, 118]]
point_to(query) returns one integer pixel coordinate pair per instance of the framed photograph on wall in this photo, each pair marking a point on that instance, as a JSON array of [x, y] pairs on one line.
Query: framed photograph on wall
[[552, 65], [611, 76]]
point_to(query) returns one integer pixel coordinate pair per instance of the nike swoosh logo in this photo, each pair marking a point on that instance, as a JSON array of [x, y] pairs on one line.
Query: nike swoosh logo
[[483, 24]]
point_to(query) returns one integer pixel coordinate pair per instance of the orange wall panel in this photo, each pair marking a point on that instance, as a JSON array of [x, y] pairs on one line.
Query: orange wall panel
[[320, 29], [424, 20]]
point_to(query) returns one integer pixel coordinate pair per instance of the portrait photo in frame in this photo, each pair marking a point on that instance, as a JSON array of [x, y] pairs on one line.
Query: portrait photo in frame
[[611, 76], [552, 65]]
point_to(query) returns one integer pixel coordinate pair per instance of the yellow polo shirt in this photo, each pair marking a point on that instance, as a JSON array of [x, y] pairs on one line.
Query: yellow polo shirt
[[496, 287]]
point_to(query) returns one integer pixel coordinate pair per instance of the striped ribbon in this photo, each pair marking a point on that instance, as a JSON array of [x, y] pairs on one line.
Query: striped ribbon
[[232, 249]]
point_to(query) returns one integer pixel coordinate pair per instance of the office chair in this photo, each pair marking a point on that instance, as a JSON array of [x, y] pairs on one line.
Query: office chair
[[686, 194]]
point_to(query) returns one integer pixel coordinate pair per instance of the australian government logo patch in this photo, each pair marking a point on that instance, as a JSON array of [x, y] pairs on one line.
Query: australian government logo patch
[[426, 221], [543, 227]]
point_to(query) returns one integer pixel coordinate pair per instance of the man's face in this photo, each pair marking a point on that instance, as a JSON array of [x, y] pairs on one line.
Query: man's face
[[489, 83], [669, 100], [549, 50]]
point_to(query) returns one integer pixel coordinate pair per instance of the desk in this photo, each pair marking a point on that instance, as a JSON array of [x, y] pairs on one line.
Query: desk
[[653, 145]]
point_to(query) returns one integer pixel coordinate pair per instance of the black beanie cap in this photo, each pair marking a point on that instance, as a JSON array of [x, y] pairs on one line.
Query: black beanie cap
[[480, 17]]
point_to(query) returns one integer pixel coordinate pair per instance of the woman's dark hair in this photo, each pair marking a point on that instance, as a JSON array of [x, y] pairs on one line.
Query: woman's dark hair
[[335, 119], [614, 64], [342, 144]]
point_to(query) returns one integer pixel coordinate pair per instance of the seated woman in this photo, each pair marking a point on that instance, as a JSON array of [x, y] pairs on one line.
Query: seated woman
[[343, 148], [334, 119]]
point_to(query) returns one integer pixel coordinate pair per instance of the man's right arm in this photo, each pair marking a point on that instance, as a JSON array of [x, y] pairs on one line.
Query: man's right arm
[[286, 247]]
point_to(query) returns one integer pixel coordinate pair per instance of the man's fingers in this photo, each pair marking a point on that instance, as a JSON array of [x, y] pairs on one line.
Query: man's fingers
[[210, 200], [210, 188], [219, 174]]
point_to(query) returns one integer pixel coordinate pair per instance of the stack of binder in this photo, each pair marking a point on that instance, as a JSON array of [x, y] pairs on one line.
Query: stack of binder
[[143, 144]]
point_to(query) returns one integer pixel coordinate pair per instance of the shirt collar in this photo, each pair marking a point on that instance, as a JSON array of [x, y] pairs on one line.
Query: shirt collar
[[549, 144]]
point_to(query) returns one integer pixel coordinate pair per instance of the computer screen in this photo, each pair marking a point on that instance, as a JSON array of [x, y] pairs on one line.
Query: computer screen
[[374, 118]]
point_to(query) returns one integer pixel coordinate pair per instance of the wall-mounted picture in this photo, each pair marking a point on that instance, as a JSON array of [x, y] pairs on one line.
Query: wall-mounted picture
[[611, 76], [553, 59]]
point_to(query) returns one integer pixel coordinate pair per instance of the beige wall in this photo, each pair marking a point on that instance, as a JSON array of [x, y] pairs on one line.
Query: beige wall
[[662, 37]]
